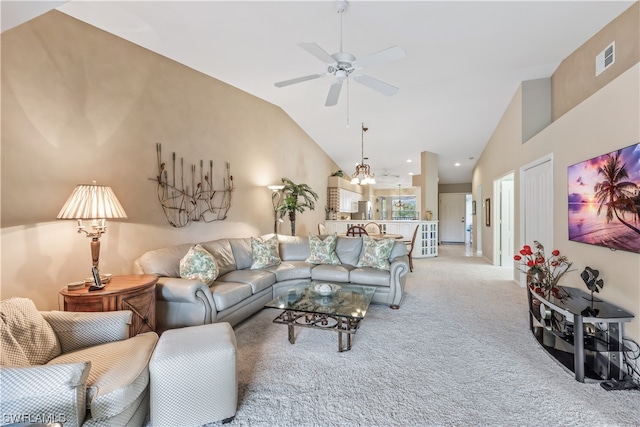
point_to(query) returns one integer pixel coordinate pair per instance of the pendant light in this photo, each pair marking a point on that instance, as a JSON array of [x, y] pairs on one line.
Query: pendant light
[[363, 174]]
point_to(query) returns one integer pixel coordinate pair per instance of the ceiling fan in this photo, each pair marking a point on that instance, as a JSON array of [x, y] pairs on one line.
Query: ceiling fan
[[343, 64]]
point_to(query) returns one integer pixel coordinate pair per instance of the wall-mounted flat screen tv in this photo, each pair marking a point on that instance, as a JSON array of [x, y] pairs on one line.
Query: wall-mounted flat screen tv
[[604, 200]]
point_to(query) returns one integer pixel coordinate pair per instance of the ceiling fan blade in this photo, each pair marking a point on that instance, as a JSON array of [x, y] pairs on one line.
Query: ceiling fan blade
[[334, 93], [375, 84], [318, 52], [387, 55], [298, 80]]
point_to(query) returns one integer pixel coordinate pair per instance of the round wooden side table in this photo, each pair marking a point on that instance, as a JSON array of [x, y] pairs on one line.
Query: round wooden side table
[[135, 292]]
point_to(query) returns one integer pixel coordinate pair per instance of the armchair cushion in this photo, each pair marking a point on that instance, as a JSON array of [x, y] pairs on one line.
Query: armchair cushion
[[119, 373], [28, 335], [79, 330], [57, 390]]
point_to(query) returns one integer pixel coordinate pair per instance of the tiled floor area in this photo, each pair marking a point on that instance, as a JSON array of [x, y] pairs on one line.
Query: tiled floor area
[[453, 249]]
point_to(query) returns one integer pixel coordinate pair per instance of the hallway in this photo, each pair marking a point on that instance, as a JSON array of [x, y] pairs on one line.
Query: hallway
[[456, 249]]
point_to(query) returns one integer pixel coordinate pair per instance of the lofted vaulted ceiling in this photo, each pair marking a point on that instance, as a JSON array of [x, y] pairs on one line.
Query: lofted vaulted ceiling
[[465, 60]]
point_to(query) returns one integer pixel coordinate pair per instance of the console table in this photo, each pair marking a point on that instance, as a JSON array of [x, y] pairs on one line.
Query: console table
[[584, 335], [135, 292]]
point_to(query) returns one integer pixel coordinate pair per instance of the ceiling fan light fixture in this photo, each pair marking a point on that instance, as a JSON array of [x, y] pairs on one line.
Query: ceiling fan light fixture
[[342, 64], [363, 174]]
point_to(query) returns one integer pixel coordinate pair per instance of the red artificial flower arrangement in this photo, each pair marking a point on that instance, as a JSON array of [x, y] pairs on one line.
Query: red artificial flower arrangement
[[543, 274]]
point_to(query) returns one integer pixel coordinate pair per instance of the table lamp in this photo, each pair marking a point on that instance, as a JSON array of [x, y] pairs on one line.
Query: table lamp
[[97, 203]]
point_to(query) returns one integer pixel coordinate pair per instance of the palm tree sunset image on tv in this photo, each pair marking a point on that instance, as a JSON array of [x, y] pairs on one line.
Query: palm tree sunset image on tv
[[604, 200]]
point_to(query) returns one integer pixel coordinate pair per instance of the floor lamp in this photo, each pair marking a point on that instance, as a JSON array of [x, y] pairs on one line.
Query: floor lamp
[[276, 197]]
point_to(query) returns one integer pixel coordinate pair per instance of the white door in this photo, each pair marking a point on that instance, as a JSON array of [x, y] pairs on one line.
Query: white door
[[537, 209], [452, 217], [506, 222]]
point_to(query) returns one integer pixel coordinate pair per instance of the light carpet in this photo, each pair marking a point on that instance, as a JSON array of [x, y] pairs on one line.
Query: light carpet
[[457, 353]]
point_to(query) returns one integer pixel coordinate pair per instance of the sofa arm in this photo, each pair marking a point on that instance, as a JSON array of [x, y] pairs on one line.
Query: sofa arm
[[399, 265], [178, 290], [44, 393], [77, 330], [397, 278]]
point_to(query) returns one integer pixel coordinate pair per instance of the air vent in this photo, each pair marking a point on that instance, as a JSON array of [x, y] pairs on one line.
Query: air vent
[[606, 58]]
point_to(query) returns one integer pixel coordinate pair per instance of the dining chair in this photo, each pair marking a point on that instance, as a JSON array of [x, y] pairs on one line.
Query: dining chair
[[322, 229], [373, 228], [356, 230], [410, 244]]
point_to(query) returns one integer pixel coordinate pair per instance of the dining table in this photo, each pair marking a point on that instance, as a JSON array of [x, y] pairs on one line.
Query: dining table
[[379, 236]]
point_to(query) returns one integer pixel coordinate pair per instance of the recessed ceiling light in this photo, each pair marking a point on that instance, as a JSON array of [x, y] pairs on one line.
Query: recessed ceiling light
[[409, 160], [410, 173], [457, 164]]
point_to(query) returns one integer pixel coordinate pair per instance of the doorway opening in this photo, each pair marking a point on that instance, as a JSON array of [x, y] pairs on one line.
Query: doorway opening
[[503, 217]]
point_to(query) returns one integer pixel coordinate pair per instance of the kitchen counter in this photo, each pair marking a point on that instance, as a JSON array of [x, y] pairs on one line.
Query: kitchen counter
[[426, 240]]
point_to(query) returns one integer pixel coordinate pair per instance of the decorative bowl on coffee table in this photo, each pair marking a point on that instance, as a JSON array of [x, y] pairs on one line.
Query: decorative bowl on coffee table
[[324, 289]]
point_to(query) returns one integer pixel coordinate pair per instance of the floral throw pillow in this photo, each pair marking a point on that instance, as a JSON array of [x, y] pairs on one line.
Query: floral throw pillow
[[199, 264], [323, 251], [375, 253], [265, 253]]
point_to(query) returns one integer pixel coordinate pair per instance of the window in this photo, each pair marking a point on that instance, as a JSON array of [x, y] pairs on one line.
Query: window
[[404, 208]]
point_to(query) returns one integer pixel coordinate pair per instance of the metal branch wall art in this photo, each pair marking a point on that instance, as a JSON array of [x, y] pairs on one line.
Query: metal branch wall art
[[194, 199]]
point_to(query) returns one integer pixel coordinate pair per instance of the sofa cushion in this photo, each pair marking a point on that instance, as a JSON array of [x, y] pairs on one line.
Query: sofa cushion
[[323, 251], [165, 261], [119, 373], [399, 249], [221, 251], [228, 294], [36, 341], [242, 252], [259, 280], [369, 276], [199, 264], [294, 248], [375, 253], [331, 273], [265, 252], [348, 250], [290, 270]]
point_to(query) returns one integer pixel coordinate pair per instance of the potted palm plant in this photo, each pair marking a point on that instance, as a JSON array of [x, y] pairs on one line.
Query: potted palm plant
[[297, 198]]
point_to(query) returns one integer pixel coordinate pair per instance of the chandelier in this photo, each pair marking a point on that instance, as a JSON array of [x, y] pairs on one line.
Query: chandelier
[[399, 203], [363, 174]]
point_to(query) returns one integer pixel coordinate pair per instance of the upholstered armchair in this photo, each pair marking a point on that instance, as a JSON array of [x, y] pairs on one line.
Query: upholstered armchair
[[72, 368]]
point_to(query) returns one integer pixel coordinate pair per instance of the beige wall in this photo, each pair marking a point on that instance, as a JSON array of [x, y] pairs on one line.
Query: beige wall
[[606, 121], [454, 188], [600, 117], [79, 104], [575, 79]]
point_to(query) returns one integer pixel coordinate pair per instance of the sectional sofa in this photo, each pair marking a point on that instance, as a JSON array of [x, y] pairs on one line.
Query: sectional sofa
[[240, 291]]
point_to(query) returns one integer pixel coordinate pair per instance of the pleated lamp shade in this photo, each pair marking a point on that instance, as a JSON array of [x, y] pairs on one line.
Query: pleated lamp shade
[[91, 201]]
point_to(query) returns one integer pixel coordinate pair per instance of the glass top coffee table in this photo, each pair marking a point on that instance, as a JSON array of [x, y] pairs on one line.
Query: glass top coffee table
[[323, 305]]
